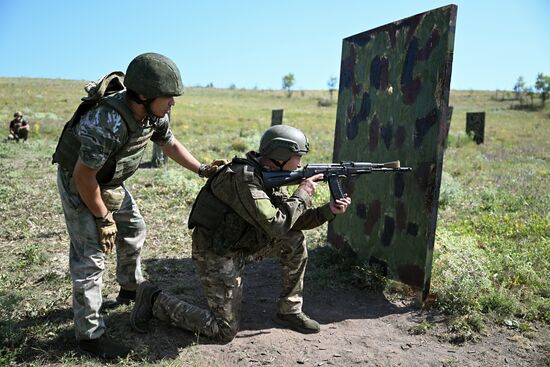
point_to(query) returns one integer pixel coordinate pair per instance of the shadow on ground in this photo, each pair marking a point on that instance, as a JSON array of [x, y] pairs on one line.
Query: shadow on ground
[[177, 276]]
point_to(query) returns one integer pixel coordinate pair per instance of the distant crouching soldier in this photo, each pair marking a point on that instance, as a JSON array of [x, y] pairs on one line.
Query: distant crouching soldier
[[19, 128]]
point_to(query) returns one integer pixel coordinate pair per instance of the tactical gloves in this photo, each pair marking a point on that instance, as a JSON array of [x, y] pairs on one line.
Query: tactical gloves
[[208, 170], [106, 228]]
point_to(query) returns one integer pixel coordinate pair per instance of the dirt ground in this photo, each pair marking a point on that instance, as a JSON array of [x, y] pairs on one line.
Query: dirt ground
[[358, 328]]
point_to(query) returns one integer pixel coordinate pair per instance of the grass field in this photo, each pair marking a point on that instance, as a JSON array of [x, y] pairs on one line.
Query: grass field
[[492, 251]]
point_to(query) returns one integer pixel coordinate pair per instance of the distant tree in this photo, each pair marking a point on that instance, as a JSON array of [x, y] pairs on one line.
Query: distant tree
[[529, 92], [519, 88], [232, 86], [542, 85], [331, 83], [288, 82]]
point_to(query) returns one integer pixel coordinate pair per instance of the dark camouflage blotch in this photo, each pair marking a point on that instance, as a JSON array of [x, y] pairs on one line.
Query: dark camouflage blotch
[[373, 215], [361, 210], [399, 184], [387, 234], [386, 132], [400, 215], [379, 73], [422, 175], [424, 53], [335, 239], [423, 126], [374, 132], [412, 229], [412, 275], [356, 119], [399, 136], [410, 86]]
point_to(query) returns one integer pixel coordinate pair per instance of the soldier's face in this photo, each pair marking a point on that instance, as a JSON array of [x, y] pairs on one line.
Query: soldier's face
[[293, 164], [162, 105]]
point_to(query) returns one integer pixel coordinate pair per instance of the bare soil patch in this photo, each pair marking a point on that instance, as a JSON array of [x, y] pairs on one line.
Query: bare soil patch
[[358, 328]]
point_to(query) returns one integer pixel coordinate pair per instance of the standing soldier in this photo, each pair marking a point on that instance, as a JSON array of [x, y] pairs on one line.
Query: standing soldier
[[96, 155], [237, 220]]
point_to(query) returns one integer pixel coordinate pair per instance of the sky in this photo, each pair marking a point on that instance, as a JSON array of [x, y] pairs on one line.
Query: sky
[[254, 43]]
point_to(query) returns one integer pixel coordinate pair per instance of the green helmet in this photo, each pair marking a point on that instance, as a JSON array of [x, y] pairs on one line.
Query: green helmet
[[281, 142], [153, 75]]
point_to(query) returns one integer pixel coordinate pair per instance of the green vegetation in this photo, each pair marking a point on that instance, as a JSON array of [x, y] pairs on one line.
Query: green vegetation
[[288, 82], [492, 251], [524, 93]]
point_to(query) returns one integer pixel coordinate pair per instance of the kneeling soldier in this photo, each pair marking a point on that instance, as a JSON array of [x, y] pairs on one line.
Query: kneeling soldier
[[237, 220]]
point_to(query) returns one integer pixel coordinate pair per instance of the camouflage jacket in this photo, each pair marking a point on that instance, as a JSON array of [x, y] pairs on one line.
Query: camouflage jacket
[[242, 214]]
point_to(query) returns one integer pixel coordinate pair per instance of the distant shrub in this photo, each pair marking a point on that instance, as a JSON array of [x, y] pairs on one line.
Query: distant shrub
[[451, 190], [323, 102]]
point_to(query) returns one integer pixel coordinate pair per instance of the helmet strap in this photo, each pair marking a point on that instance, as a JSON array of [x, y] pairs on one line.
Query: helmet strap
[[145, 103], [279, 164]]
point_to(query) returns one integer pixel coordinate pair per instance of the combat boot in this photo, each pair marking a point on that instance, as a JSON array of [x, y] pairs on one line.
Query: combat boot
[[104, 348], [143, 309], [299, 322], [125, 297]]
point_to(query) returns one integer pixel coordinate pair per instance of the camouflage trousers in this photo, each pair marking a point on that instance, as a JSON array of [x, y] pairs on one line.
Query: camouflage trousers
[[221, 279], [87, 260]]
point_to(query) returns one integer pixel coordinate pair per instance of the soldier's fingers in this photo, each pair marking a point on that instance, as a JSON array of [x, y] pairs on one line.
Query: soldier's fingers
[[316, 177], [109, 248]]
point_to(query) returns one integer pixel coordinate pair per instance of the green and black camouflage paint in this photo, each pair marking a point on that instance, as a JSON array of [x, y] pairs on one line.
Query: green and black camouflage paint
[[393, 104]]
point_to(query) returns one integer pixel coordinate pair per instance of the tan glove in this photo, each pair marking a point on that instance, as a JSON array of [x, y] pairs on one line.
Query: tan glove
[[208, 170], [106, 228]]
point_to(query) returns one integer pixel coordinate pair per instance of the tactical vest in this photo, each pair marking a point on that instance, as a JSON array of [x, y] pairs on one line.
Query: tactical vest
[[120, 165], [228, 230], [16, 126]]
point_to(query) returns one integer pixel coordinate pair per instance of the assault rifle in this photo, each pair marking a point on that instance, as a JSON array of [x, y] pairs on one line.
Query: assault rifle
[[332, 172]]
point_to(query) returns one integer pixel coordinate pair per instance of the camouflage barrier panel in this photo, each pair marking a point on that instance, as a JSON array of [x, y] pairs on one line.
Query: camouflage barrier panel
[[392, 105], [475, 126]]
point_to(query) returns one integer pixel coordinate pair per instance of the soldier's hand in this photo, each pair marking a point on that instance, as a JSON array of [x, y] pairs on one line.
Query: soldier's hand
[[340, 206], [208, 170], [106, 228], [309, 185]]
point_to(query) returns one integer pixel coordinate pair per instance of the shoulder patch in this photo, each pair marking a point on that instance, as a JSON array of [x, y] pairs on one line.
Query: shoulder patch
[[248, 174], [265, 209]]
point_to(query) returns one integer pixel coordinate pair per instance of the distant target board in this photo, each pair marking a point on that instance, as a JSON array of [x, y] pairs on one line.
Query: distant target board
[[393, 105]]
